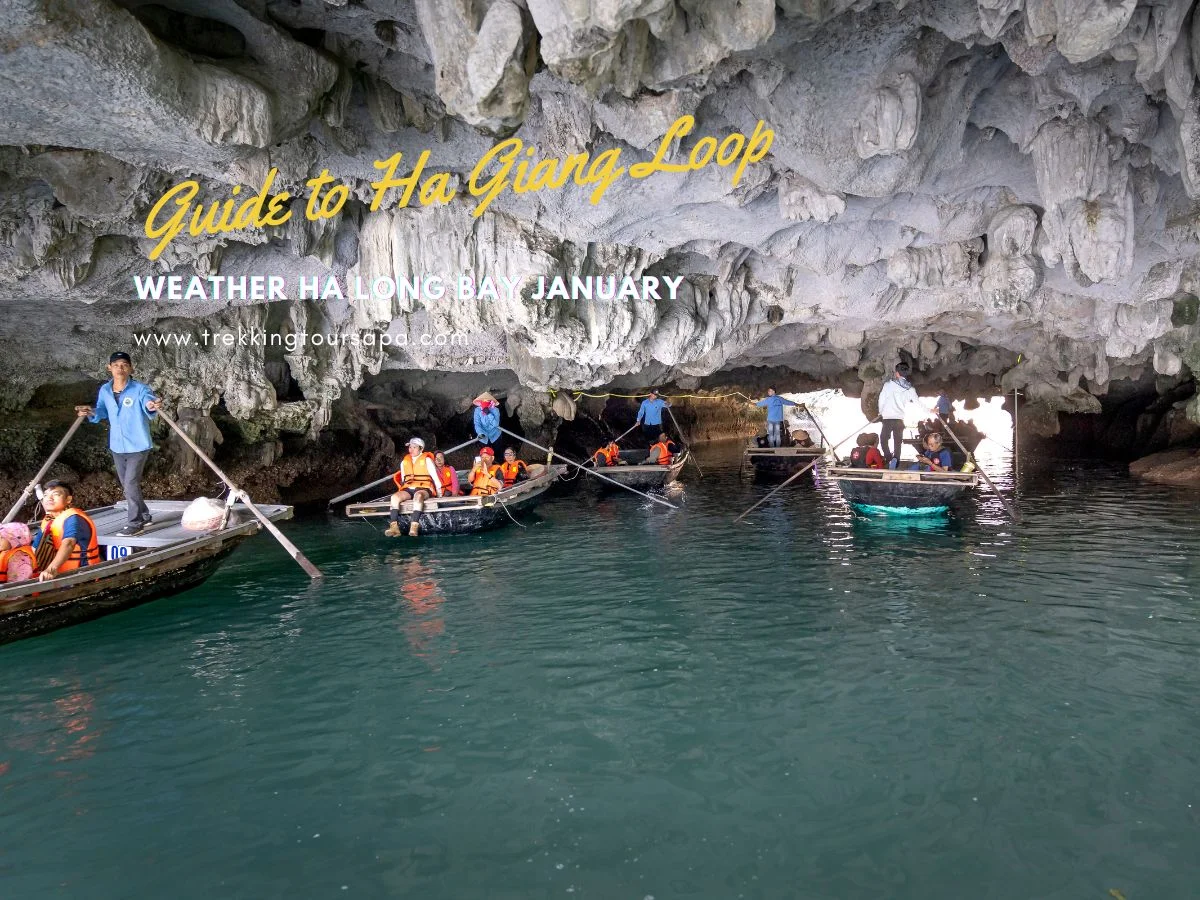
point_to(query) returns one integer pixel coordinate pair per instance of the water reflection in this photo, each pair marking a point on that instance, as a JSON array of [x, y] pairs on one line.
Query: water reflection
[[421, 601]]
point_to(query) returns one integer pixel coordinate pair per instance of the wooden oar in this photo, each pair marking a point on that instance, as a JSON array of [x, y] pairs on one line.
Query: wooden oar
[[821, 432], [688, 444], [617, 440], [587, 470], [32, 486], [366, 487], [797, 475], [1009, 509], [239, 494]]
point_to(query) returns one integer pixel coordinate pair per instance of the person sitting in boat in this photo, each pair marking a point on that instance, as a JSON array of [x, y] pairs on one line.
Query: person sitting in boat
[[662, 453], [865, 456], [17, 559], [484, 477], [774, 404], [512, 469], [446, 474], [608, 455], [418, 480], [801, 438], [487, 419], [933, 455], [71, 532]]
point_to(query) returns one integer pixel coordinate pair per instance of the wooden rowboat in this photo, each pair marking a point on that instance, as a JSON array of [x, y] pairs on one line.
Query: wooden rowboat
[[464, 515], [164, 559], [644, 477], [901, 492], [781, 460]]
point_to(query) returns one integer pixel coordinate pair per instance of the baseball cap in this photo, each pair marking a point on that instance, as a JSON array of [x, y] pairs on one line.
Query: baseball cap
[[120, 354], [416, 440]]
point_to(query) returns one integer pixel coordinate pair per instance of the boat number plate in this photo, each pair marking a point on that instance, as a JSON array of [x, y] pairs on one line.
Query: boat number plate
[[118, 551]]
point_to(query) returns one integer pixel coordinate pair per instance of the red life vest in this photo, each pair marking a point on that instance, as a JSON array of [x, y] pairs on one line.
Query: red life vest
[[664, 453], [7, 555], [52, 526], [607, 456], [449, 479]]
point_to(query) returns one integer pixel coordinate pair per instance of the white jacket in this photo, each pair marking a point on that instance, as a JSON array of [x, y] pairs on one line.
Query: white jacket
[[894, 400]]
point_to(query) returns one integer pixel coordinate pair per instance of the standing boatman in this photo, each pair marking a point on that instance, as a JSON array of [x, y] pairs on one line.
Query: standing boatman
[[650, 416], [129, 406], [774, 404], [487, 419], [895, 397]]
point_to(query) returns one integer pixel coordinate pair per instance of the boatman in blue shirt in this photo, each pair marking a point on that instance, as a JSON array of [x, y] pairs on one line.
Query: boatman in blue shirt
[[129, 406], [487, 419], [650, 416], [774, 404]]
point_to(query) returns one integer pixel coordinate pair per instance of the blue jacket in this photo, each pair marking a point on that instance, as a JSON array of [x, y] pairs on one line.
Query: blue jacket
[[128, 421], [941, 456], [650, 412], [488, 423], [775, 407]]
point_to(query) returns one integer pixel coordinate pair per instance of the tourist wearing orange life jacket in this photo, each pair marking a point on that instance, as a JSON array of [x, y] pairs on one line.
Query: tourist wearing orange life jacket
[[17, 559], [485, 478], [71, 531], [608, 455], [418, 480], [512, 469], [663, 452], [447, 474]]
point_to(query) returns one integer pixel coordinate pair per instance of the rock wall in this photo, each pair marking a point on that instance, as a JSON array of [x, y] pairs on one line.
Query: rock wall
[[1003, 192]]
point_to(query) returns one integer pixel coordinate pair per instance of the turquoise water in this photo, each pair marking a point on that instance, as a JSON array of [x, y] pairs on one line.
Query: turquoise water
[[624, 701]]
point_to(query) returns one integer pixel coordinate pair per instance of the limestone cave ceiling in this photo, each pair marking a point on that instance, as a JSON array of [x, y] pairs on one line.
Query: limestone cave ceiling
[[1001, 188]]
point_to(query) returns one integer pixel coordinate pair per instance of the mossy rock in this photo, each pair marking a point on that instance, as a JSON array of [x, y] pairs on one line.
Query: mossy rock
[[21, 447]]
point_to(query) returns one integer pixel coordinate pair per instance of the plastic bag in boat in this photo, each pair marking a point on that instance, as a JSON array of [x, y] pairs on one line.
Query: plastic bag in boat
[[203, 514]]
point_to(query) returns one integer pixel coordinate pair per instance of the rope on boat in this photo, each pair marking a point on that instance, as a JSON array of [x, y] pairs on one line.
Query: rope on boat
[[578, 394]]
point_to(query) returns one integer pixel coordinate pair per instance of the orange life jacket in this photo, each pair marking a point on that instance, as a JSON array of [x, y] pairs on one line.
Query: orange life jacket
[[80, 556], [664, 453], [449, 479], [607, 456], [511, 470], [412, 477], [481, 480], [7, 555]]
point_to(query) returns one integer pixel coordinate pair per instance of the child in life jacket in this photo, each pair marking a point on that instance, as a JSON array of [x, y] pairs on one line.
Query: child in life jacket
[[865, 456]]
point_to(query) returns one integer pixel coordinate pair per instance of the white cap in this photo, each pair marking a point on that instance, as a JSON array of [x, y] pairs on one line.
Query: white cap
[[416, 440]]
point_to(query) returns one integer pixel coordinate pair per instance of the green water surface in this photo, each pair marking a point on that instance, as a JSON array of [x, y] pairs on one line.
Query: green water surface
[[624, 701]]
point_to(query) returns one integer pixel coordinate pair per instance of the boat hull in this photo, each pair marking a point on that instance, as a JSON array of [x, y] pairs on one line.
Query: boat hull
[[151, 572], [640, 477], [884, 491], [464, 515], [782, 460]]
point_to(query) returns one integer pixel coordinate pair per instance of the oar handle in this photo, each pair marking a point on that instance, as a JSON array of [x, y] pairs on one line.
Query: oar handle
[[32, 486], [292, 549]]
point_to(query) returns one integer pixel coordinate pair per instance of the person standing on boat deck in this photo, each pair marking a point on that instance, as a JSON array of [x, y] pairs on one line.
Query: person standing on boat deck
[[775, 404], [894, 400], [71, 532], [129, 406], [487, 419], [650, 415], [945, 407], [418, 480]]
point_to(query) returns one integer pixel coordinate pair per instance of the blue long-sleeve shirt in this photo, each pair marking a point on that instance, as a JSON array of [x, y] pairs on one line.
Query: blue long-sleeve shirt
[[128, 418], [488, 423], [775, 407], [650, 412]]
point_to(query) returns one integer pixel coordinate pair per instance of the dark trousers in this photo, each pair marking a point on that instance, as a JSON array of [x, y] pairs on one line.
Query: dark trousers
[[652, 432], [129, 471], [893, 428]]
